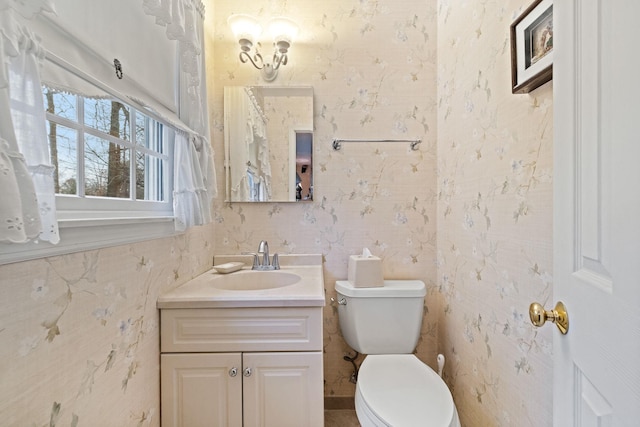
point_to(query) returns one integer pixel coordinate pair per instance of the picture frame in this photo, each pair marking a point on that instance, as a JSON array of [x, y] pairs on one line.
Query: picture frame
[[532, 47]]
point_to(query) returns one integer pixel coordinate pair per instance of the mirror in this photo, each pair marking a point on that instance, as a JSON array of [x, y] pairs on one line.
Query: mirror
[[268, 139]]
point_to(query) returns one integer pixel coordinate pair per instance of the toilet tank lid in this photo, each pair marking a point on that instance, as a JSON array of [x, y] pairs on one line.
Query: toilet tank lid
[[391, 288]]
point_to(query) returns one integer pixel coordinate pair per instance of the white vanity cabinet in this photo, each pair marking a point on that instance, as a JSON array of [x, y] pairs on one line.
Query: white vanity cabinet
[[198, 390], [240, 367]]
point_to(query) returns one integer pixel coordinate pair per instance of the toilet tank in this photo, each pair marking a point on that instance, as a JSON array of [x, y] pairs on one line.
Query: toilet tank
[[381, 320]]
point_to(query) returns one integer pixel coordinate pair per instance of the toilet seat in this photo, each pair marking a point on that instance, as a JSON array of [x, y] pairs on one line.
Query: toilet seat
[[399, 390]]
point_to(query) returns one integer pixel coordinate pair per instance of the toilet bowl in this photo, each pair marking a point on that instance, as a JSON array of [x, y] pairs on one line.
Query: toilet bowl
[[394, 388], [399, 390]]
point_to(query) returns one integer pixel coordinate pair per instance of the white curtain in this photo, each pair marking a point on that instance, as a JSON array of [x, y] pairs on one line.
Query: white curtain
[[28, 210], [246, 125], [194, 177], [28, 8], [259, 123], [191, 201], [183, 21]]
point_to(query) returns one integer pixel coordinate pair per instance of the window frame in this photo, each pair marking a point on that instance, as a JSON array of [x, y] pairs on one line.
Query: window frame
[[93, 222], [166, 154]]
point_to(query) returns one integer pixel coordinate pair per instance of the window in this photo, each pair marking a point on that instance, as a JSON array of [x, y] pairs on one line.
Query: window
[[111, 141], [103, 148], [113, 174]]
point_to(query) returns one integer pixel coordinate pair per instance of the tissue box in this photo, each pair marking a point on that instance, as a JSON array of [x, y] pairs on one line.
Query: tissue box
[[365, 271]]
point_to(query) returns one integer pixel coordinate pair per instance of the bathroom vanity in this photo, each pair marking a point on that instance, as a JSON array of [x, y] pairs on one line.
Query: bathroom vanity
[[244, 348]]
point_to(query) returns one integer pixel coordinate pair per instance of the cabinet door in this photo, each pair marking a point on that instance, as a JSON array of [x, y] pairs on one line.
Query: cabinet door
[[283, 389], [199, 390]]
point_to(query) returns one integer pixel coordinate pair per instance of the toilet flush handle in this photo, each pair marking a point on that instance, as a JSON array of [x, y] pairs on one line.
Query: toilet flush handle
[[341, 301], [440, 360]]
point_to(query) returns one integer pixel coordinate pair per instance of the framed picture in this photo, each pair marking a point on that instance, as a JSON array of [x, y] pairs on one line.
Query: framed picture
[[532, 47]]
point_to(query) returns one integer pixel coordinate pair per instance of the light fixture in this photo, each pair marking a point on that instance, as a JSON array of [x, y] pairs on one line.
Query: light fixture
[[247, 29]]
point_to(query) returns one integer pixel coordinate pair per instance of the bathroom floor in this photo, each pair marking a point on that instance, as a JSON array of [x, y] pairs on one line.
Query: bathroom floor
[[340, 418]]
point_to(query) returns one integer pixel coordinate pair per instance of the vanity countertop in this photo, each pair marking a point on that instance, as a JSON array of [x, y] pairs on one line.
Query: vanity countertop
[[201, 292]]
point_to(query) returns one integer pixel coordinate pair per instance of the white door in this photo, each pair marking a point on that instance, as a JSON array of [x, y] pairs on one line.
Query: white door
[[596, 80]]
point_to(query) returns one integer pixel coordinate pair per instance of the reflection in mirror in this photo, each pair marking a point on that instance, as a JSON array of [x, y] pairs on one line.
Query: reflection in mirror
[[304, 189], [268, 143]]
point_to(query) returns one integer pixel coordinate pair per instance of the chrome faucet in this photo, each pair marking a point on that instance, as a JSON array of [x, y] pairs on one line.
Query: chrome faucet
[[263, 248], [266, 264]]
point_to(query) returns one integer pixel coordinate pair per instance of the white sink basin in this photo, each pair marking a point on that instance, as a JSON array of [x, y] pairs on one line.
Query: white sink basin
[[298, 283], [251, 280]]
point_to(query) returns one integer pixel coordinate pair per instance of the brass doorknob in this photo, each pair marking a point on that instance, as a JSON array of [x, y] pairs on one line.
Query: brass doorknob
[[558, 315]]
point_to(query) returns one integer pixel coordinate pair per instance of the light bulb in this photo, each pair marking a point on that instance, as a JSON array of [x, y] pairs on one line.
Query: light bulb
[[284, 31], [245, 28]]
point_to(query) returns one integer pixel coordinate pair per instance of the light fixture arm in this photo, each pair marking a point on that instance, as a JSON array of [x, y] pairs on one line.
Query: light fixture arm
[[269, 71], [279, 60], [257, 58], [247, 29]]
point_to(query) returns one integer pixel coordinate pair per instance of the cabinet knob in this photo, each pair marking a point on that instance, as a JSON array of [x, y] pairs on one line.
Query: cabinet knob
[[247, 372], [233, 372]]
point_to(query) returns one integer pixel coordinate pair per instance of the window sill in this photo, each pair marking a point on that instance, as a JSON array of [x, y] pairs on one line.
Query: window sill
[[77, 235]]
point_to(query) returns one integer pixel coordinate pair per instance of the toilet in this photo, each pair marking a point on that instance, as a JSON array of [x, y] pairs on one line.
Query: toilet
[[394, 388]]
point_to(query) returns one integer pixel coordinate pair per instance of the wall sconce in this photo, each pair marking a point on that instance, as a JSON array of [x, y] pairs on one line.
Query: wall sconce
[[246, 29]]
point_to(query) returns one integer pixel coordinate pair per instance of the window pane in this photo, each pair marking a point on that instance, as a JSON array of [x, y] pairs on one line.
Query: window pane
[[60, 104], [140, 182], [149, 133], [64, 157], [150, 177], [158, 138], [141, 129], [106, 168], [108, 116]]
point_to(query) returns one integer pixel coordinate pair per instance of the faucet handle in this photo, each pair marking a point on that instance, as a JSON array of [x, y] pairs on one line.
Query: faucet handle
[[255, 258], [256, 264], [276, 262]]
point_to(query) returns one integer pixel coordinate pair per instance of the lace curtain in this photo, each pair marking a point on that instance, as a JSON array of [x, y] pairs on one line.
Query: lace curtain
[[194, 178], [183, 21], [28, 8], [258, 127], [191, 201], [28, 209], [246, 126]]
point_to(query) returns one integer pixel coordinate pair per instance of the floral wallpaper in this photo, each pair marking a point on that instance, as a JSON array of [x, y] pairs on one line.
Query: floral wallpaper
[[494, 239], [79, 334], [468, 212]]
